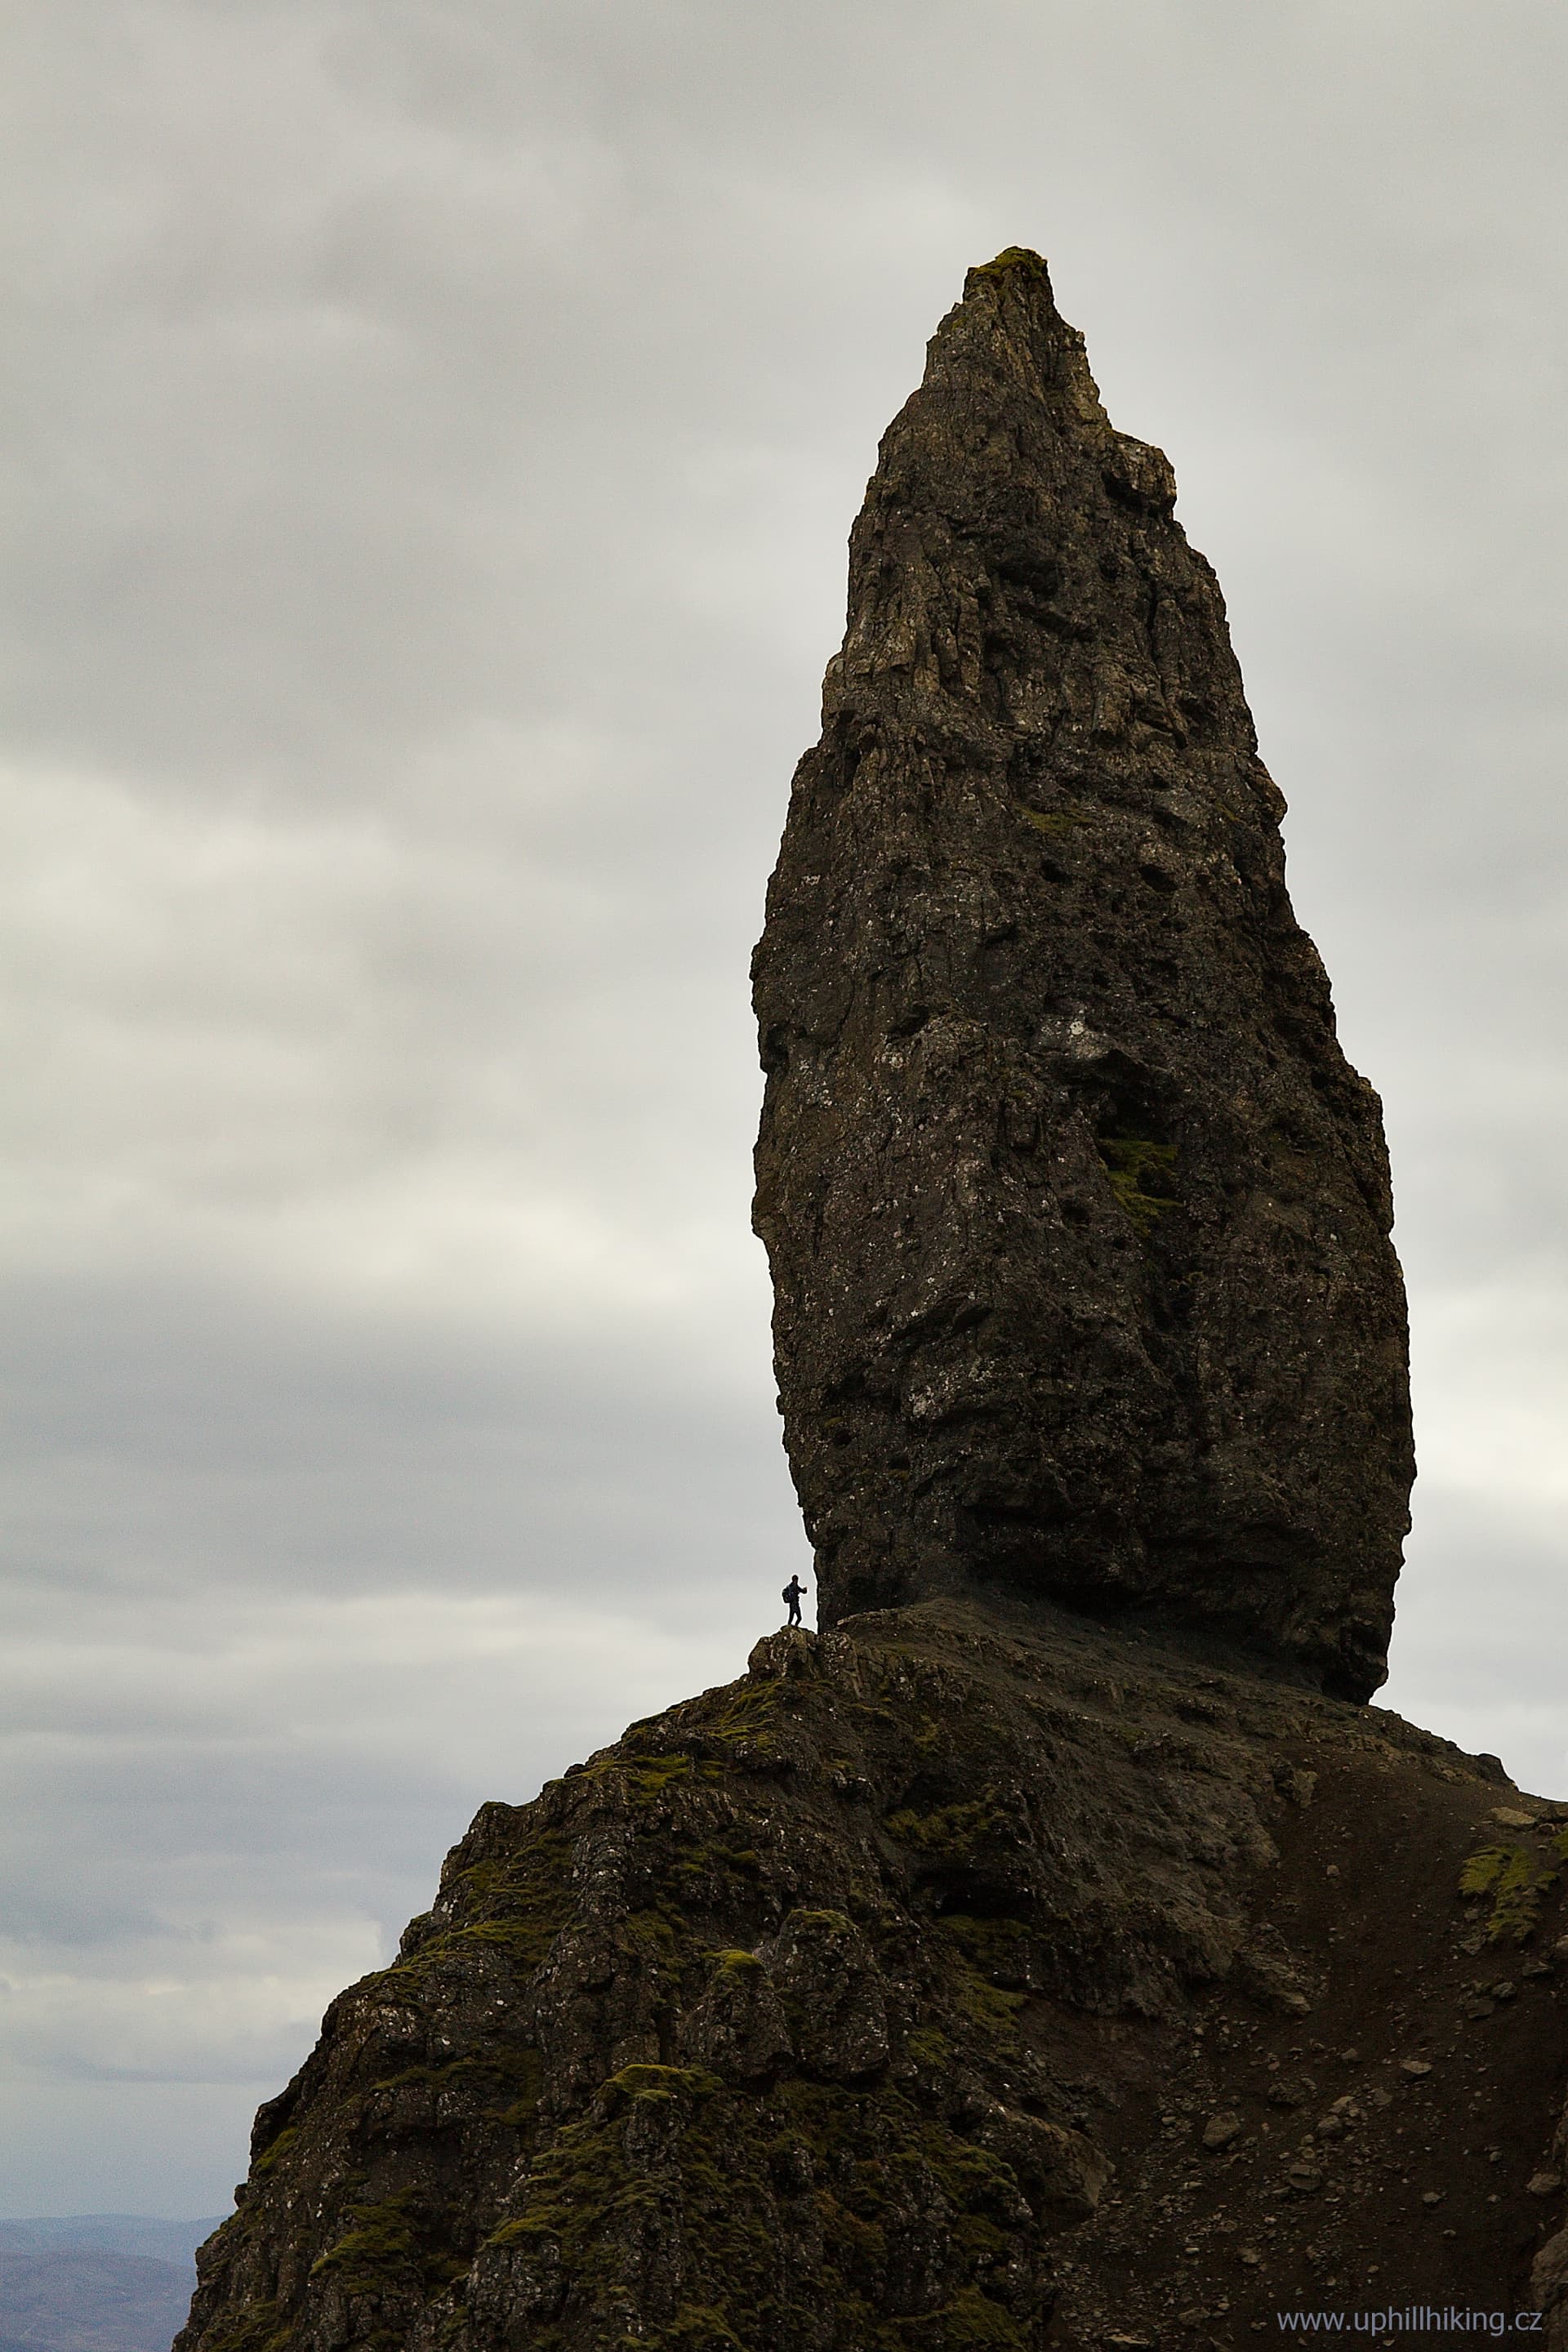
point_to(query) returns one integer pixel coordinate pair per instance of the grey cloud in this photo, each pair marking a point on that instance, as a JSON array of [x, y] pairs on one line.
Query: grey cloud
[[175, 1437], [439, 430]]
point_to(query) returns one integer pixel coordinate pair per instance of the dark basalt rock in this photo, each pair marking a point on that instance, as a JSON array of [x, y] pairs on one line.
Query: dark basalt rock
[[883, 2000], [973, 1976], [1078, 1215]]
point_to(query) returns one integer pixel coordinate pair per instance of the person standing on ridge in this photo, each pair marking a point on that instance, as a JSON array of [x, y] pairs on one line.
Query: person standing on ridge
[[791, 1593]]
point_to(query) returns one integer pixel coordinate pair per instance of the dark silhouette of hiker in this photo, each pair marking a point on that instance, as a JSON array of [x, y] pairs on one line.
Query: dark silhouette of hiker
[[791, 1593]]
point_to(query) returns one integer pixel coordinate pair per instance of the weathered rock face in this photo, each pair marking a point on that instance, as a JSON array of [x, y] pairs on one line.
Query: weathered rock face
[[1078, 1215], [974, 1974], [972, 1977]]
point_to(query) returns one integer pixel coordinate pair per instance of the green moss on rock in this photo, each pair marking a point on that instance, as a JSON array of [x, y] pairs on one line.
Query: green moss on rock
[[1517, 1881], [1134, 1165]]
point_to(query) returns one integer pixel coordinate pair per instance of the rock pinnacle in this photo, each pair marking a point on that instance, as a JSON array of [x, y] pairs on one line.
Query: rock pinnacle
[[1077, 1216]]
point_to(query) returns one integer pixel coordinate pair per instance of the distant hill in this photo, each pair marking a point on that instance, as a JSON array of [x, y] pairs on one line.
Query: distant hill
[[96, 2282]]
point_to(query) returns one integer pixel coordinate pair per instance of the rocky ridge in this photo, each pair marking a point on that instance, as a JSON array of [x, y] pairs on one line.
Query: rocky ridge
[[1078, 1215], [956, 1978]]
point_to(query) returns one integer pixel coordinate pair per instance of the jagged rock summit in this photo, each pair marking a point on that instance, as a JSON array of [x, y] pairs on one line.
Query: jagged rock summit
[[1078, 1215]]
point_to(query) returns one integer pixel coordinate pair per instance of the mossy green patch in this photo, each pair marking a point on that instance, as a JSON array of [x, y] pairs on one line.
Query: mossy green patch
[[1516, 1881], [1134, 1166], [970, 2322], [654, 1935], [735, 1962], [643, 1780], [515, 1907], [394, 2256], [952, 1832], [379, 2240], [696, 2327], [650, 2082], [582, 2188], [715, 1861], [1055, 823], [1013, 259], [540, 1866], [879, 2173], [746, 1718], [859, 2238], [984, 2004], [521, 1938], [514, 2073], [997, 1948], [274, 2153], [262, 2329]]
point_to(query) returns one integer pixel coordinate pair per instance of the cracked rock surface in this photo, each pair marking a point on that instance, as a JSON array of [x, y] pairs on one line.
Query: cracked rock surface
[[1078, 1215]]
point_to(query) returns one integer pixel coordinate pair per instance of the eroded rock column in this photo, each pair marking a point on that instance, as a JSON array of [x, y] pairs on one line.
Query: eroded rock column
[[1078, 1215]]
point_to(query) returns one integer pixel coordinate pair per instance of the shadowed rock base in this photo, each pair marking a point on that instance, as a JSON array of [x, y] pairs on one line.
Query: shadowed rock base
[[956, 1978], [1078, 1215]]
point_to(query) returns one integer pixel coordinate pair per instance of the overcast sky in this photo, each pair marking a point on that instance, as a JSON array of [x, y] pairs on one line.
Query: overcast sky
[[436, 425]]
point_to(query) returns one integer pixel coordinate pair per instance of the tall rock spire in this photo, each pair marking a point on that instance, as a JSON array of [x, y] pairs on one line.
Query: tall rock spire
[[1077, 1213]]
